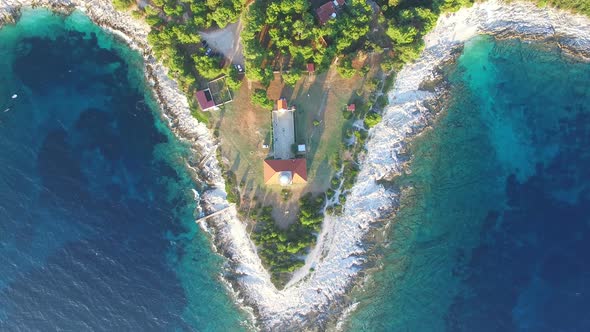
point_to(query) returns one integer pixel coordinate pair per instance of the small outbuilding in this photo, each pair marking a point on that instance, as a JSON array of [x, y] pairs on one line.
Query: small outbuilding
[[282, 104], [310, 68], [205, 99], [351, 108]]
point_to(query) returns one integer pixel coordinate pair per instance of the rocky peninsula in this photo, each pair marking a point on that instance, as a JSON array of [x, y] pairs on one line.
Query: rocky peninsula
[[315, 299]]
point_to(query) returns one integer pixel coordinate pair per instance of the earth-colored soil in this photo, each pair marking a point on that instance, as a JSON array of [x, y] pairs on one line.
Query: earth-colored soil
[[244, 129]]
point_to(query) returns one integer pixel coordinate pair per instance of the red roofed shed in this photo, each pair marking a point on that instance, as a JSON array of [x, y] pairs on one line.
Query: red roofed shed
[[205, 99], [310, 68]]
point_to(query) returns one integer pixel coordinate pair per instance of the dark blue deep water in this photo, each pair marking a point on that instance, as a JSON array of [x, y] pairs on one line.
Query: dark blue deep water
[[97, 210], [494, 229]]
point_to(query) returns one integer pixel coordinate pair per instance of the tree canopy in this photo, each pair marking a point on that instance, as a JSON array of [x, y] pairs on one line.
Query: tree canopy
[[287, 29]]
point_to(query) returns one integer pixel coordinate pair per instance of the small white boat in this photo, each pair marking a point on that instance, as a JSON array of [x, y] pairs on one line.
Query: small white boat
[[14, 96], [6, 110]]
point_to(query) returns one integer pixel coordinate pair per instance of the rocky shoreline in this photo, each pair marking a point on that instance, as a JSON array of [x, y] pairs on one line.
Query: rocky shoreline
[[173, 103], [317, 301]]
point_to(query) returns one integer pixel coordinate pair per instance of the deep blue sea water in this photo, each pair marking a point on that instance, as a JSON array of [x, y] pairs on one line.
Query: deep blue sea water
[[97, 224], [494, 229]]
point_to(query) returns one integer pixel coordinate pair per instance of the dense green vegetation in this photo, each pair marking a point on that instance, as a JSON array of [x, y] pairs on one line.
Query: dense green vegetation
[[345, 68], [372, 119], [231, 187], [407, 21], [122, 4], [576, 6], [282, 251], [176, 42], [260, 98], [285, 35]]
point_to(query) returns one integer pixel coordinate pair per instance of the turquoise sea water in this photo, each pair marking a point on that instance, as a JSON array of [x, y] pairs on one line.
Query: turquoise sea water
[[96, 208], [494, 234], [97, 224]]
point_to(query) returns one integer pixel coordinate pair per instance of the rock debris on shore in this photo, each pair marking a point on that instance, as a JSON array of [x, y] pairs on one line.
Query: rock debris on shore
[[318, 300]]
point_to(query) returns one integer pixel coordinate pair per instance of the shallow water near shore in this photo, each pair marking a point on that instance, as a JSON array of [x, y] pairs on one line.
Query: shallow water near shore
[[494, 234], [97, 210]]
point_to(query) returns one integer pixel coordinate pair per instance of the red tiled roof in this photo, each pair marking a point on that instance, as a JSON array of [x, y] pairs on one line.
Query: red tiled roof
[[282, 104], [205, 99], [325, 12], [272, 169], [340, 2], [351, 107], [310, 67]]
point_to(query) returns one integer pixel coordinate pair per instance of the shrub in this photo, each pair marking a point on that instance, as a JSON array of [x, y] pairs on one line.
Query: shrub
[[122, 4], [345, 68], [137, 14], [372, 119], [286, 194], [335, 182], [382, 101], [232, 79], [231, 187], [260, 98], [280, 250], [291, 77], [330, 193]]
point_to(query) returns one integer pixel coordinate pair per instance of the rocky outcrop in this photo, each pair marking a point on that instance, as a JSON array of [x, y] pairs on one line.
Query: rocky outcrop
[[317, 298]]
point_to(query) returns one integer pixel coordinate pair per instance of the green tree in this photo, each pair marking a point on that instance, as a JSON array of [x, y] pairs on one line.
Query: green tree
[[260, 98], [207, 66], [291, 77], [123, 4], [345, 68], [402, 35], [372, 119], [232, 79]]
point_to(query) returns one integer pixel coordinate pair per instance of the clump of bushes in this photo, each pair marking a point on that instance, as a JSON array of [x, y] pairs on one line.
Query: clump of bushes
[[281, 250], [350, 172], [231, 187], [372, 119], [122, 4], [408, 22], [260, 98], [345, 68], [293, 31], [286, 194]]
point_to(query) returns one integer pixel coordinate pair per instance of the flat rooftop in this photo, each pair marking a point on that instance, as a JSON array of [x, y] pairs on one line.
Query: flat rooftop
[[283, 133]]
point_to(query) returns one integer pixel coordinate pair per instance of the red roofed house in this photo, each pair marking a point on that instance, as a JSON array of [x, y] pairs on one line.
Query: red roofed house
[[326, 12], [351, 107], [310, 68], [285, 172], [205, 99]]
